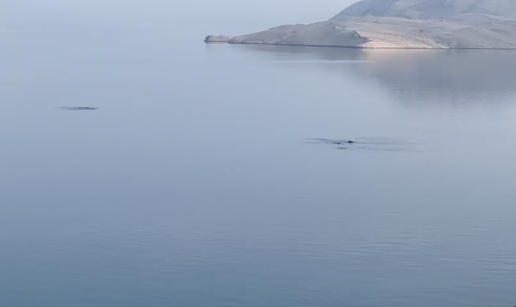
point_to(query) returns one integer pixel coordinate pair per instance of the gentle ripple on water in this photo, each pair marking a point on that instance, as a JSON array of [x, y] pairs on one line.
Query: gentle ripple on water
[[200, 181]]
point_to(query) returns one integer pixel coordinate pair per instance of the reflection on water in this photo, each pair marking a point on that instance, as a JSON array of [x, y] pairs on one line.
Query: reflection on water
[[416, 76]]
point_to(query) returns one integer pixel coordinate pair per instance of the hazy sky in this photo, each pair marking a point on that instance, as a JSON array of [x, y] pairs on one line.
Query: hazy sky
[[214, 16]]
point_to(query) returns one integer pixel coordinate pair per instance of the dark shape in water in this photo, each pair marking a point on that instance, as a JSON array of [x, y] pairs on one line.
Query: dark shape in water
[[367, 144], [80, 108], [336, 142], [342, 142]]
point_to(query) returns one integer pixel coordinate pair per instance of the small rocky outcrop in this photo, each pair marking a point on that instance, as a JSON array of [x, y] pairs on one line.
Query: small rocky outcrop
[[217, 39]]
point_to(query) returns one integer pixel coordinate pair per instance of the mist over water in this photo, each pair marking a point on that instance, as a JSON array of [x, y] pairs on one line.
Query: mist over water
[[197, 181]]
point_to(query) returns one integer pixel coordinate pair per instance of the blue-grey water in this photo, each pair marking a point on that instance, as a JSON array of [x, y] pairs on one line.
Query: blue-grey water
[[219, 175]]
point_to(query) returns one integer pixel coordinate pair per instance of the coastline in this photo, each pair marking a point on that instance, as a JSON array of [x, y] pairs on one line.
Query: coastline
[[385, 33], [360, 47]]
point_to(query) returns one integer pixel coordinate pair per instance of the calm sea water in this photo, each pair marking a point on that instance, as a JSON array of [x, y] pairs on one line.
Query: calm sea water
[[217, 175]]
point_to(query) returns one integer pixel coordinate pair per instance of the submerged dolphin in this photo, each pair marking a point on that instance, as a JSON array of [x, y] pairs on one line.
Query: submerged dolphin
[[79, 108]]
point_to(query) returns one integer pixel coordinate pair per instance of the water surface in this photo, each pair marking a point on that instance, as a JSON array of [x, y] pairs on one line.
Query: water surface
[[194, 183]]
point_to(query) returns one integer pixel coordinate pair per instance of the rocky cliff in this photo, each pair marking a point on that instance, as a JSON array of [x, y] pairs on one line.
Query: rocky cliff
[[485, 24]]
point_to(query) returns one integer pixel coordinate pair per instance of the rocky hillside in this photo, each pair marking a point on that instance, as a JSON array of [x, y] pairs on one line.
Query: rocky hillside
[[486, 24], [430, 9]]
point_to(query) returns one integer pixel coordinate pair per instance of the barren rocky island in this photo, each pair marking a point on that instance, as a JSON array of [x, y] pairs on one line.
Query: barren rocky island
[[400, 24]]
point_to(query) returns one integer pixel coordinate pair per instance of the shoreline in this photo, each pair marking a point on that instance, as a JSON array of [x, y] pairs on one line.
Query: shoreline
[[355, 47]]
